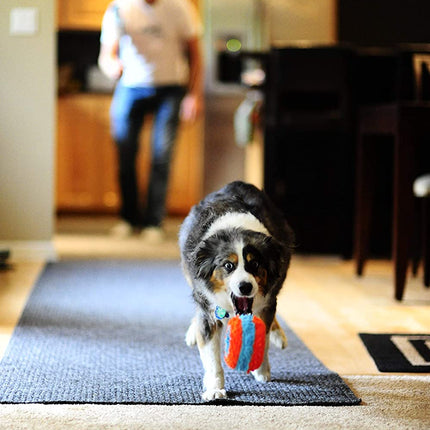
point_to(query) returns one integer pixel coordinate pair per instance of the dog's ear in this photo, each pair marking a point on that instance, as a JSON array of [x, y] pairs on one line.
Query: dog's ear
[[204, 260], [278, 258]]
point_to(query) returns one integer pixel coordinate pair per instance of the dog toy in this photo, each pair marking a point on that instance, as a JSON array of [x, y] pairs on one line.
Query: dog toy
[[245, 342]]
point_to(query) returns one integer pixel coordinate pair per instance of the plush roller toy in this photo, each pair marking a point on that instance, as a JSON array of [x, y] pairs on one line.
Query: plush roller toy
[[244, 342]]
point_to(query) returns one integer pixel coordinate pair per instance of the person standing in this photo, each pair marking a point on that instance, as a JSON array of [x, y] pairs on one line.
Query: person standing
[[152, 48]]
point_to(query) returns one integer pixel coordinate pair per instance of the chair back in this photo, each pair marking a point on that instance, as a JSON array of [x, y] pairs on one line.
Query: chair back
[[309, 88], [392, 74], [421, 67]]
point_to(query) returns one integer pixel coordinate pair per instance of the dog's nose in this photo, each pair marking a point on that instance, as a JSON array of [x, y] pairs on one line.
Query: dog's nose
[[245, 288]]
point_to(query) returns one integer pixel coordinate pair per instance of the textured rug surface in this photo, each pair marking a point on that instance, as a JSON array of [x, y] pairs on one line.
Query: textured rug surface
[[113, 332], [389, 403], [404, 353]]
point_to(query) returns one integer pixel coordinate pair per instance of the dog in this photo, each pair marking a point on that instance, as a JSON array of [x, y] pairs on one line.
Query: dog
[[235, 248]]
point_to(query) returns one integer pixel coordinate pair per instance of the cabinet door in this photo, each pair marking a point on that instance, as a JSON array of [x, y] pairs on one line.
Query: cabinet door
[[81, 14], [86, 175], [85, 14], [86, 159]]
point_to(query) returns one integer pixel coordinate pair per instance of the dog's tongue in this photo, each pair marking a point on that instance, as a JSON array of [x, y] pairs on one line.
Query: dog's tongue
[[243, 305]]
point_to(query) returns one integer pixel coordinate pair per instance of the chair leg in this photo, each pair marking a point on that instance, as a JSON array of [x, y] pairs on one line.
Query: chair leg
[[426, 240], [417, 239], [363, 201], [403, 204]]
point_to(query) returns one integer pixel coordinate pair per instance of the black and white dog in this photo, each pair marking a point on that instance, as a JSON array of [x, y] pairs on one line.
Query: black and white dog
[[235, 248]]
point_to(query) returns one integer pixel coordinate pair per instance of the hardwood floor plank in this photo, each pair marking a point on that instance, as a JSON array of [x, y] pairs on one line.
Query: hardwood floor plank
[[327, 306]]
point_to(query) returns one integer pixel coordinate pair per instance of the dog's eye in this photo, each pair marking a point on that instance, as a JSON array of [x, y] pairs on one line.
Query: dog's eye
[[254, 264], [229, 266]]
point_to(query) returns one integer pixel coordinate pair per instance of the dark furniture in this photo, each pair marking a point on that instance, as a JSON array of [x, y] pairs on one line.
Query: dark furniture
[[309, 144], [383, 22], [329, 111], [407, 121]]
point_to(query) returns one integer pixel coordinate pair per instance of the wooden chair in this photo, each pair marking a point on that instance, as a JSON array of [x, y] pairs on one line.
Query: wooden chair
[[407, 121]]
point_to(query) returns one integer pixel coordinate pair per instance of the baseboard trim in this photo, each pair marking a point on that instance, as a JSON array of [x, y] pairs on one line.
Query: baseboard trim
[[30, 250]]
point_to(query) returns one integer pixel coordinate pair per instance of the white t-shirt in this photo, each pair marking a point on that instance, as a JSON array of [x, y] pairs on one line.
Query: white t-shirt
[[152, 39]]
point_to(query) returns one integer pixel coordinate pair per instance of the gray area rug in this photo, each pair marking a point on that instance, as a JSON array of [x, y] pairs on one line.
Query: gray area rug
[[113, 332]]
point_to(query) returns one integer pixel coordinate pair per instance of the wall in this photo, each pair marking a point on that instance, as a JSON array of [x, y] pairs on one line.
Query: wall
[[27, 132], [291, 21]]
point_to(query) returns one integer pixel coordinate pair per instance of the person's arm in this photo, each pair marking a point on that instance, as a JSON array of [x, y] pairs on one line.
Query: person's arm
[[192, 104], [109, 61]]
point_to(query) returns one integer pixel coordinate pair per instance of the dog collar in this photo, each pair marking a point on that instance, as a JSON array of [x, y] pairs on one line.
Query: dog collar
[[221, 313]]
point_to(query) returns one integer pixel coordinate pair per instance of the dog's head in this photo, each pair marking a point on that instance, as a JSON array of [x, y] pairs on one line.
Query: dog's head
[[240, 265]]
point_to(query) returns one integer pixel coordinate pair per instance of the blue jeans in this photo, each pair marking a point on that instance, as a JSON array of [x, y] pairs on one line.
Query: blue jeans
[[129, 106]]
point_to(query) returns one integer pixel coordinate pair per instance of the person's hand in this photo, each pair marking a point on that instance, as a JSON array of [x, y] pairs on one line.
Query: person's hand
[[191, 107], [113, 68], [109, 61]]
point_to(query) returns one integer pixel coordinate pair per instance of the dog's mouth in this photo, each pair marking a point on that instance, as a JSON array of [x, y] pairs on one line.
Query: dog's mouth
[[242, 305]]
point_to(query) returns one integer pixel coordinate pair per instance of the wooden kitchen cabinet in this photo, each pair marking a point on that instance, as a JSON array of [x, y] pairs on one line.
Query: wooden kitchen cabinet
[[86, 159], [81, 14], [84, 14]]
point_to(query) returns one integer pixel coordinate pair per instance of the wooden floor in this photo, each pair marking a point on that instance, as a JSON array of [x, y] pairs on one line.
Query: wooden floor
[[322, 300]]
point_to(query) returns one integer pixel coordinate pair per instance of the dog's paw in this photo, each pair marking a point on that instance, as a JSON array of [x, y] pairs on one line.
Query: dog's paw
[[191, 336], [261, 375], [214, 394], [278, 338]]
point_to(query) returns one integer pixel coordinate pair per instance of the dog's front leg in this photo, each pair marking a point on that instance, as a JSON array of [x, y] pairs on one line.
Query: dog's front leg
[[262, 374], [210, 354]]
